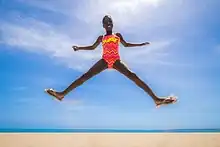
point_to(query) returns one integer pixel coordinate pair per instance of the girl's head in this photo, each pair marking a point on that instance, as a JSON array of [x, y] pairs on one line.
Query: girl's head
[[107, 23]]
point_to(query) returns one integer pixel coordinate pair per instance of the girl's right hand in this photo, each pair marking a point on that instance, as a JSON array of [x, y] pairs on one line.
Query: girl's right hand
[[76, 48]]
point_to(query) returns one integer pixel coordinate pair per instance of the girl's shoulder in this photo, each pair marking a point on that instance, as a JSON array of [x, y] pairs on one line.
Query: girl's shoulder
[[118, 34]]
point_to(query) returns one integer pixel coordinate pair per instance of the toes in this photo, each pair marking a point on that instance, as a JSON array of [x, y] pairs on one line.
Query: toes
[[168, 101], [55, 94], [51, 92]]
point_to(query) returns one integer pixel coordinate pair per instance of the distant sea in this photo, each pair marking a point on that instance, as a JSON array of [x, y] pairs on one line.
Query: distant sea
[[19, 130]]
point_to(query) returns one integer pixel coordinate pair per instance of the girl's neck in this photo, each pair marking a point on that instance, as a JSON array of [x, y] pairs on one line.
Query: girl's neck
[[108, 33]]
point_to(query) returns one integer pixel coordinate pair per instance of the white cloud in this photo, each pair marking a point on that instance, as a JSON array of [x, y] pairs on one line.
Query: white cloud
[[37, 36], [123, 12], [55, 40], [150, 52], [126, 14]]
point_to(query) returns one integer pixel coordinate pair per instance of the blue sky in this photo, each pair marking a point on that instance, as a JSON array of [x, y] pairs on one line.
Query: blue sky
[[183, 59]]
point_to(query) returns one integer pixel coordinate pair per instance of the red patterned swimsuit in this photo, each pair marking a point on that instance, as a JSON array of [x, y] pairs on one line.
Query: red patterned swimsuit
[[110, 44]]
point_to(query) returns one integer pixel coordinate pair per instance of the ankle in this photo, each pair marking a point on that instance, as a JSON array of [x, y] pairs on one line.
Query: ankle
[[62, 93], [156, 98]]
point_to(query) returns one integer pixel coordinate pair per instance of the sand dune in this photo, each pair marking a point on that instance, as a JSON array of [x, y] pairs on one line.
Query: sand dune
[[110, 140]]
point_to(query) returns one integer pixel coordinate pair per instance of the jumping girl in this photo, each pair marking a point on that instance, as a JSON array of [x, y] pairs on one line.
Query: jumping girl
[[111, 60]]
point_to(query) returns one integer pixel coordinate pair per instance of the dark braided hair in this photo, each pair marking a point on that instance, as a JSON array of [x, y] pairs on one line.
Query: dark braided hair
[[106, 17]]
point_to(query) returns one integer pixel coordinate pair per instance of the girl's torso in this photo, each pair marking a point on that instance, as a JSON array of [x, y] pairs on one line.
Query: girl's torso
[[110, 45]]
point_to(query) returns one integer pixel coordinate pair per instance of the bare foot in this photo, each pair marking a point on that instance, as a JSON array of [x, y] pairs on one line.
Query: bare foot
[[165, 101], [55, 94]]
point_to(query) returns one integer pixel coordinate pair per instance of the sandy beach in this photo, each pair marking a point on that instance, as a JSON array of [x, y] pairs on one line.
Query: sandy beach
[[109, 140]]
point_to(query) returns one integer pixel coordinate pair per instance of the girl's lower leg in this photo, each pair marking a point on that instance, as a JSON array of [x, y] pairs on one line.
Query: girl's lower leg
[[96, 69]]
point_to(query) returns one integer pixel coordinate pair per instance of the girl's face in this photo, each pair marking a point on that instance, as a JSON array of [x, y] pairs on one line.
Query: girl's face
[[108, 24]]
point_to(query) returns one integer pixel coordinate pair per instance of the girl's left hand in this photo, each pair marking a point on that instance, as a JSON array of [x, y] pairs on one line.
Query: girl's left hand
[[145, 43]]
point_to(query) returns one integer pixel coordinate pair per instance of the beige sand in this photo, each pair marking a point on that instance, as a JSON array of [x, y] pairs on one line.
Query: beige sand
[[110, 140]]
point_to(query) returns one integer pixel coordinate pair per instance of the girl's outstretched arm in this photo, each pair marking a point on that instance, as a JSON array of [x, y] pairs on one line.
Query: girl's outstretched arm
[[91, 47], [127, 44]]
